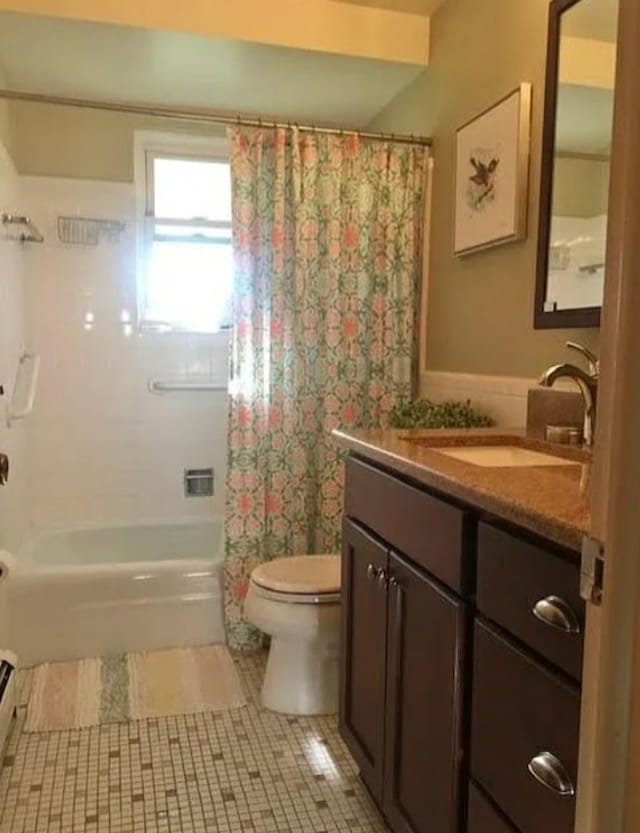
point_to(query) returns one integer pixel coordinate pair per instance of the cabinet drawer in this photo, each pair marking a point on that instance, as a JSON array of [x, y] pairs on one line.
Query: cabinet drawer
[[431, 532], [520, 710], [483, 818], [515, 576]]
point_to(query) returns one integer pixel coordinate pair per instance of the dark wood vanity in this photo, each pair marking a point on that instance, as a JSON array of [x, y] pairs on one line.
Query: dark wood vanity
[[461, 660]]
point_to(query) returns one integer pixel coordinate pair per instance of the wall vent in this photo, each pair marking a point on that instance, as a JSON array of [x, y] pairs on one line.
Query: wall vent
[[198, 482]]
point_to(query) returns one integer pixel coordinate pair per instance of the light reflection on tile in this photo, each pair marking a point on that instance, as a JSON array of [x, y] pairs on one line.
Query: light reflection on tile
[[246, 770], [320, 759]]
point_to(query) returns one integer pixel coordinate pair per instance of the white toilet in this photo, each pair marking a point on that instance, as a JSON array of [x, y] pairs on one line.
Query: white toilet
[[297, 602]]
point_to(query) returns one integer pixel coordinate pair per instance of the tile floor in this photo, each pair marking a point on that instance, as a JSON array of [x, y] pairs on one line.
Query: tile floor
[[242, 770]]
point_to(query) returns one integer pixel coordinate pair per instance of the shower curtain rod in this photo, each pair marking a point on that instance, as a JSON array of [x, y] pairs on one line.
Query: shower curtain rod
[[206, 116]]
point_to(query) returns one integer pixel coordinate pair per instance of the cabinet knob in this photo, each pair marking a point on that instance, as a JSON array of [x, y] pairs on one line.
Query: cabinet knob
[[377, 574], [551, 773], [557, 613]]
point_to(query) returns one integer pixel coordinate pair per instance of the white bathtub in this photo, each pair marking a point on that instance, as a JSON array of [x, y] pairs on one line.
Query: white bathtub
[[89, 592]]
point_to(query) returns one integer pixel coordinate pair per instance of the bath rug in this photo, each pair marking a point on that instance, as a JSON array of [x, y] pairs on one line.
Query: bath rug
[[91, 692]]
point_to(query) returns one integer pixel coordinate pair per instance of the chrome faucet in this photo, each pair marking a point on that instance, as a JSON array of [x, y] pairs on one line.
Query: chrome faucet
[[586, 381]]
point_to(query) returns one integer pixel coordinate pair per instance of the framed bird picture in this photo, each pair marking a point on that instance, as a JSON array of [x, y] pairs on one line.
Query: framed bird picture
[[492, 174]]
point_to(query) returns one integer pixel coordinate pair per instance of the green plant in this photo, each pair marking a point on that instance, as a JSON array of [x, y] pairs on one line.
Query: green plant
[[423, 413]]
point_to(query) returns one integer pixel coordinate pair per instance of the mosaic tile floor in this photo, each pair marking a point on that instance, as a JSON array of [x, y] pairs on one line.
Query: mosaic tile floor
[[242, 770]]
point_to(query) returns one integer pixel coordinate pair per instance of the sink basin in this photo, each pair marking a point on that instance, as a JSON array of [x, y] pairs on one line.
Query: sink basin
[[503, 456]]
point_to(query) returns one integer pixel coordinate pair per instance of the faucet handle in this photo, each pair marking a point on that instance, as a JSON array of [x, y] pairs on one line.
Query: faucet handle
[[594, 362]]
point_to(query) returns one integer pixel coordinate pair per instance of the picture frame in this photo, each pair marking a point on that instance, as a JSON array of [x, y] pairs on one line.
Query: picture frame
[[492, 152]]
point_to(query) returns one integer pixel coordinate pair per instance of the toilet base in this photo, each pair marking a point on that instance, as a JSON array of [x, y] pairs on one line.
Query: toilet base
[[301, 676]]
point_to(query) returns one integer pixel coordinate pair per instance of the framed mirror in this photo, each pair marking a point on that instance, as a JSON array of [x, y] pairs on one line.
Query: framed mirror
[[578, 122]]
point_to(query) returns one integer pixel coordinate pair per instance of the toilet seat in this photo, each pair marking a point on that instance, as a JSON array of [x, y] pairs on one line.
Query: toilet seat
[[295, 598], [299, 579]]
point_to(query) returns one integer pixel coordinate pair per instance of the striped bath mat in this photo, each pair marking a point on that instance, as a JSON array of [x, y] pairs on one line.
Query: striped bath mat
[[74, 695]]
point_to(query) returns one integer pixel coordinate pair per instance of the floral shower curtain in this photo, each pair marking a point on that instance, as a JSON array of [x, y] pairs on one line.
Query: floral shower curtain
[[327, 237]]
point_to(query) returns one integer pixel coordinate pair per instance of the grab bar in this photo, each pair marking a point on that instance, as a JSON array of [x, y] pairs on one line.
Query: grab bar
[[167, 386], [20, 413]]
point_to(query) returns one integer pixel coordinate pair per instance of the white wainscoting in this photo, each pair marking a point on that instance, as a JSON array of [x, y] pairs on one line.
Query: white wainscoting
[[503, 397]]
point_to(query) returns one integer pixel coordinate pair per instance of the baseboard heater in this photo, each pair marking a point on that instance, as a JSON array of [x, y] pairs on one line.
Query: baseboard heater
[[7, 695]]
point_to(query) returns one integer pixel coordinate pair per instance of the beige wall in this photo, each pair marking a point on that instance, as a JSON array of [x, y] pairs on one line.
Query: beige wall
[[5, 126], [50, 140], [481, 307], [580, 187]]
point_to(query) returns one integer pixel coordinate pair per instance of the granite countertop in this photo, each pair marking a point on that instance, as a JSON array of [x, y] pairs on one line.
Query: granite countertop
[[550, 501]]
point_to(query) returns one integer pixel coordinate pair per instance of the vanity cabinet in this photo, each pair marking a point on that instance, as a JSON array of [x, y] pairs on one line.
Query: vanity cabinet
[[525, 718], [423, 728], [403, 655], [527, 658], [363, 678], [461, 662], [432, 533], [534, 594], [483, 816]]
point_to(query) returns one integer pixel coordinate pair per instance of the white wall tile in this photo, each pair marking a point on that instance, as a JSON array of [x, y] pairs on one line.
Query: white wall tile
[[504, 398], [13, 518], [102, 447]]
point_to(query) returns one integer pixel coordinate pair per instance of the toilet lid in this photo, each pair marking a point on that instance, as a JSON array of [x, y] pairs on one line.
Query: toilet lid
[[300, 574]]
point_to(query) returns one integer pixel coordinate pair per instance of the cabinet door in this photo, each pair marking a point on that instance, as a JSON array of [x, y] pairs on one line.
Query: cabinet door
[[426, 640], [483, 817], [363, 654]]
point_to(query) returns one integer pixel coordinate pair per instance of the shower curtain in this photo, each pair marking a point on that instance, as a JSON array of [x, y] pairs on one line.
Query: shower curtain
[[327, 233]]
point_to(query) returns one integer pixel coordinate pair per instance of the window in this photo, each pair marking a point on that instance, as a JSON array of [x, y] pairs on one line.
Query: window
[[187, 269]]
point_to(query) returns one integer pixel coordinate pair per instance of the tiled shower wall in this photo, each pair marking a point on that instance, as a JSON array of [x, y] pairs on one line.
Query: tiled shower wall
[[102, 447], [13, 518], [12, 496]]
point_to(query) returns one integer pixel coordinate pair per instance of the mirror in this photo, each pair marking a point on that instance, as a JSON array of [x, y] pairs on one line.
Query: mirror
[[578, 122]]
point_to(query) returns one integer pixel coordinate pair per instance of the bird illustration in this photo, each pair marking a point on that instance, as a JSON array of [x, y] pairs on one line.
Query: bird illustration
[[484, 178]]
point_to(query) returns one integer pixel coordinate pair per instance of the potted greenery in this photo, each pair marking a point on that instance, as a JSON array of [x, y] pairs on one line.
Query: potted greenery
[[423, 413]]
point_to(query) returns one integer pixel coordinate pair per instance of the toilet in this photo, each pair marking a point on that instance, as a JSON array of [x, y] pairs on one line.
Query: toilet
[[296, 601]]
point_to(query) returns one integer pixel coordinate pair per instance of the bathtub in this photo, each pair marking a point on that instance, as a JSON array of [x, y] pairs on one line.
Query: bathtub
[[94, 591]]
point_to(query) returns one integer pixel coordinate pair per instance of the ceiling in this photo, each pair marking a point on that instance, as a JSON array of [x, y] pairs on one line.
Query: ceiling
[[108, 62], [596, 19], [584, 120], [425, 7]]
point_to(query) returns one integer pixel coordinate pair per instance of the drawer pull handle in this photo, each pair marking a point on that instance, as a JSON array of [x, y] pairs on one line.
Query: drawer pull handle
[[550, 772], [372, 572], [556, 613]]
